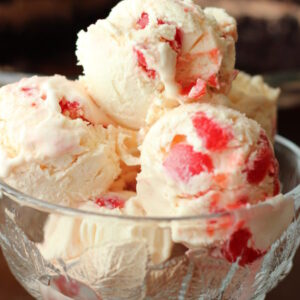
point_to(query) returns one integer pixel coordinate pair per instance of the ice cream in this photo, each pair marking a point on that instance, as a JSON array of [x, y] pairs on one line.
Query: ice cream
[[127, 142], [202, 151], [227, 24], [228, 27], [147, 49], [246, 234], [112, 256], [126, 179], [252, 96], [200, 159], [54, 141], [169, 170], [68, 237]]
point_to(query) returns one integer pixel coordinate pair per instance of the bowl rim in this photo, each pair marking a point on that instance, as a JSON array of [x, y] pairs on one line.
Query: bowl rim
[[44, 206]]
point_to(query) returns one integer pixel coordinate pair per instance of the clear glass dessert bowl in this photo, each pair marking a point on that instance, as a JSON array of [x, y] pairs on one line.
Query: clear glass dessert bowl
[[126, 267]]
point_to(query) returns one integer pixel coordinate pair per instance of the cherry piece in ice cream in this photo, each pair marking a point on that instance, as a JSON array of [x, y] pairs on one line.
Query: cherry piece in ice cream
[[263, 163], [196, 89], [238, 249], [143, 21], [110, 202], [29, 91], [216, 138], [183, 162], [71, 109], [176, 43], [143, 64], [213, 81]]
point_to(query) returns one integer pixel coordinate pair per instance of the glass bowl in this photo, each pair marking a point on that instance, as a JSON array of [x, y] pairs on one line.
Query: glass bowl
[[129, 266]]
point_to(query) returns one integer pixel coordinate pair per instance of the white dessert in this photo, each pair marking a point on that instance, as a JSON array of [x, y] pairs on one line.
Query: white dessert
[[146, 49], [253, 97], [53, 144]]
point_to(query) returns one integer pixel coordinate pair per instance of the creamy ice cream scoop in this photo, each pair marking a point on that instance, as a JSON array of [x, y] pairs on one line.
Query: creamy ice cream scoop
[[253, 97], [201, 159], [54, 144], [68, 237], [146, 49]]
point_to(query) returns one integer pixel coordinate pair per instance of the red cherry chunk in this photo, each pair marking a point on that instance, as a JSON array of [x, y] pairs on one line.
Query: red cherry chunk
[[215, 137], [143, 21], [198, 90], [238, 248], [213, 81], [264, 162], [71, 109], [29, 91], [183, 162], [143, 64], [194, 90], [161, 22], [176, 43], [26, 89], [110, 202]]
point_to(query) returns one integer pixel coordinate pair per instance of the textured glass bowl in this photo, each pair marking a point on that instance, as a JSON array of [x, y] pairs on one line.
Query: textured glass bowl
[[123, 270]]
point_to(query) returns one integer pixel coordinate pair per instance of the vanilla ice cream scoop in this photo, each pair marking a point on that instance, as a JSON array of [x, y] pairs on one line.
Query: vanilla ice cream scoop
[[146, 49], [54, 141], [203, 158], [68, 237], [253, 97]]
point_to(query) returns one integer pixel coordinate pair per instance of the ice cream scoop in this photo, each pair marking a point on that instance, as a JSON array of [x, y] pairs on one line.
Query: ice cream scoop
[[54, 141], [201, 159], [146, 49], [68, 238], [252, 96]]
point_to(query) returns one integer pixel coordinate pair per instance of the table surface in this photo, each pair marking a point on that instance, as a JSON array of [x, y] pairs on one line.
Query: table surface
[[287, 289]]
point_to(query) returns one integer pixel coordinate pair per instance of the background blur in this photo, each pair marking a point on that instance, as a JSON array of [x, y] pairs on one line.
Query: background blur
[[38, 36]]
